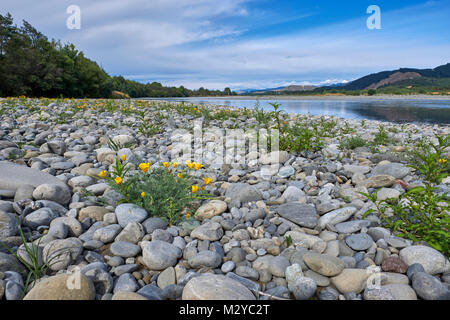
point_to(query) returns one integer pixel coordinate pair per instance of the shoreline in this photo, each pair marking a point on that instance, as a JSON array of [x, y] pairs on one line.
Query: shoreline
[[312, 97]]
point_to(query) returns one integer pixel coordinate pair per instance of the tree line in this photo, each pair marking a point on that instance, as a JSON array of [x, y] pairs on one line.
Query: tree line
[[33, 66]]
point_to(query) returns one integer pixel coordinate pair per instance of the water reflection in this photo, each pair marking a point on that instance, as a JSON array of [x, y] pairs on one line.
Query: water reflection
[[398, 110]]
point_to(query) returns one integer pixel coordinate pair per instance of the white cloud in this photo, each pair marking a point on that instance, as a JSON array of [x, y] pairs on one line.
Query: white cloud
[[205, 42]]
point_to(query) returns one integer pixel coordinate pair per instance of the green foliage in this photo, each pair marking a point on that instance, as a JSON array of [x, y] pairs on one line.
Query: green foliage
[[351, 143], [35, 269], [32, 65], [371, 92], [381, 137], [288, 240], [421, 214], [306, 135], [164, 191], [428, 159]]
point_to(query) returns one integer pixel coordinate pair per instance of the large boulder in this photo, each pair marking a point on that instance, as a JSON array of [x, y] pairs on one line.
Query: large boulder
[[215, 287], [63, 287]]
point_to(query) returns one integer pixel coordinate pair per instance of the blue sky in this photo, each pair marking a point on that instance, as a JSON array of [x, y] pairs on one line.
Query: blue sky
[[246, 43]]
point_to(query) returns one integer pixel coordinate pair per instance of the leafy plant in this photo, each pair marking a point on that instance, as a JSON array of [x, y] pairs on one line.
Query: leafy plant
[[35, 269], [428, 159], [351, 143], [421, 214], [381, 137], [288, 240], [164, 191]]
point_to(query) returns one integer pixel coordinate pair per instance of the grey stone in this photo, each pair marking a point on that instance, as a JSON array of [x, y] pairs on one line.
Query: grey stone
[[40, 217], [301, 214], [133, 232], [53, 192], [125, 249], [397, 170], [303, 288], [125, 268], [208, 231], [24, 192], [215, 287], [336, 216], [205, 259], [328, 293], [128, 212], [153, 223], [228, 266], [351, 226], [243, 192], [107, 234], [359, 242], [429, 288], [13, 175], [166, 278], [247, 272], [8, 225], [151, 292], [251, 285], [58, 230], [163, 235], [61, 253], [412, 269], [102, 280], [9, 263], [159, 255], [126, 282], [432, 260], [323, 264]]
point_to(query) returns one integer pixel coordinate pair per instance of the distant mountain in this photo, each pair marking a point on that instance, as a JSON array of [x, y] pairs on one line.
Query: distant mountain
[[376, 80], [400, 81]]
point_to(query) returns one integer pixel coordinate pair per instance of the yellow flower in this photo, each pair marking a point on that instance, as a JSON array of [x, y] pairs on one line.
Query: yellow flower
[[188, 215], [102, 174], [189, 164], [198, 166], [166, 164], [207, 180], [118, 180], [443, 161], [194, 189], [124, 157], [143, 194], [180, 175], [174, 164], [144, 166]]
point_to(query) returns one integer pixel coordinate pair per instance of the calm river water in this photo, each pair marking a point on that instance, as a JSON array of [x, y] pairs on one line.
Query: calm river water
[[396, 110]]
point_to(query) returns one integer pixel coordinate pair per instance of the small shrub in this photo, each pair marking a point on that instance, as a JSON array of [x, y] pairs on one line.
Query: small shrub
[[381, 137], [421, 214], [164, 191], [352, 143]]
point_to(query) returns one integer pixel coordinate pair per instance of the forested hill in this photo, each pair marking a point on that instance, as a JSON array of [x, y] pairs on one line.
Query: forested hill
[[31, 65]]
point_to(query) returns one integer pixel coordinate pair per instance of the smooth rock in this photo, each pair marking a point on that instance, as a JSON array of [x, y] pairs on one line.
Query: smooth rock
[[159, 255], [432, 260], [63, 287], [215, 287]]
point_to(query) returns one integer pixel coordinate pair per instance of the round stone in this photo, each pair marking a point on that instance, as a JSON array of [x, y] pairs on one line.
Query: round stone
[[323, 264], [429, 288], [159, 255], [359, 242], [215, 287], [63, 287], [432, 260]]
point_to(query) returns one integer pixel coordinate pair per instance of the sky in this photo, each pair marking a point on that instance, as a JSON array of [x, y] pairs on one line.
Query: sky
[[245, 44]]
